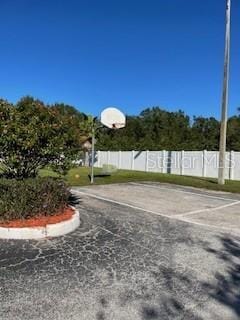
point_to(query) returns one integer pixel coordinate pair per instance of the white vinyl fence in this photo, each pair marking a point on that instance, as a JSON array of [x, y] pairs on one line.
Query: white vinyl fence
[[193, 163]]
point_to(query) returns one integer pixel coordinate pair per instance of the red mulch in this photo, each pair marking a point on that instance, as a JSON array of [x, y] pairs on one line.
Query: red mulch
[[40, 221]]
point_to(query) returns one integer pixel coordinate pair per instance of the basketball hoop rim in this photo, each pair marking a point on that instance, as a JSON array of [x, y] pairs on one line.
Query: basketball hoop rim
[[118, 125]]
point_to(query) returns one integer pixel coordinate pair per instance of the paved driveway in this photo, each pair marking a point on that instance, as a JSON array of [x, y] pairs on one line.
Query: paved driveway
[[142, 252]]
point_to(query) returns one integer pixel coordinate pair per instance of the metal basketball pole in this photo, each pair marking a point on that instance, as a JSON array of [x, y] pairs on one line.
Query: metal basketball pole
[[93, 154], [223, 130]]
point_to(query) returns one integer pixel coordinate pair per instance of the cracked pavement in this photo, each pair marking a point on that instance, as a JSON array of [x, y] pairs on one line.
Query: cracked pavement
[[124, 263]]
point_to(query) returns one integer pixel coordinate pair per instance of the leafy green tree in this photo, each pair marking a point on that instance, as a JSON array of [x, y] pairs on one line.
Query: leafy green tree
[[204, 134], [33, 136], [233, 135]]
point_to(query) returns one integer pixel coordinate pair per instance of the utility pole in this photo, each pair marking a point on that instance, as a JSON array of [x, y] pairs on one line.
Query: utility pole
[[223, 132]]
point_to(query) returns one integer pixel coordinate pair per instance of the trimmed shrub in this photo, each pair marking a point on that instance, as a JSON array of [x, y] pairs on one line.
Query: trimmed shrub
[[23, 199], [34, 135]]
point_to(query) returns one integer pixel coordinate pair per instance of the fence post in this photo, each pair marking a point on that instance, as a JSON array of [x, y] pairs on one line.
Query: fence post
[[163, 161], [99, 158], [204, 166], [146, 160], [119, 159], [232, 165], [108, 157], [132, 165], [182, 163]]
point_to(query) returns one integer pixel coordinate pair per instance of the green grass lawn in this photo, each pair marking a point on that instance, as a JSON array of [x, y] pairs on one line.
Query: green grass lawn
[[79, 177]]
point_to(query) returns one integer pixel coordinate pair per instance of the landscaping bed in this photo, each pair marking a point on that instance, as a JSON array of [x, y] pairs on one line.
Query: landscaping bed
[[28, 198], [39, 221], [35, 208]]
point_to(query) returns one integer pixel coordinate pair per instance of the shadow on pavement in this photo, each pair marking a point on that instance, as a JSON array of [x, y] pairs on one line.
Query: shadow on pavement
[[74, 200], [227, 290]]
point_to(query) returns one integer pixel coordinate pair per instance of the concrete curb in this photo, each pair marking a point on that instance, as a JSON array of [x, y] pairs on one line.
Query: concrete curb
[[51, 230]]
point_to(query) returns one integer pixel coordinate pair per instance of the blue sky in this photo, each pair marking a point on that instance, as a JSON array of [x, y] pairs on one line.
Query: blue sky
[[125, 53]]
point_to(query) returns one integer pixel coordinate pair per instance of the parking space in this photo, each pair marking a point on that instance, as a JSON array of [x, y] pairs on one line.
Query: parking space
[[214, 209]]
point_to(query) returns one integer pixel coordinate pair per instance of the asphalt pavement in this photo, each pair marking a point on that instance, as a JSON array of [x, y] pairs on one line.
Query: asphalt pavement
[[141, 252]]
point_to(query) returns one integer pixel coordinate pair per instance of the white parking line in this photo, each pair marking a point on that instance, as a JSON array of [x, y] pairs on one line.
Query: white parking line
[[208, 209], [121, 203], [175, 217], [183, 191]]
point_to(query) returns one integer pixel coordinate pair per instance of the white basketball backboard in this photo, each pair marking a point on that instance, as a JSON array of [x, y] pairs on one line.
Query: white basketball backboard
[[113, 118]]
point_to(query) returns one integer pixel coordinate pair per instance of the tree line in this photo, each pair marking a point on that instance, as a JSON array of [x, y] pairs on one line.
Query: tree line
[[33, 133], [158, 129]]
